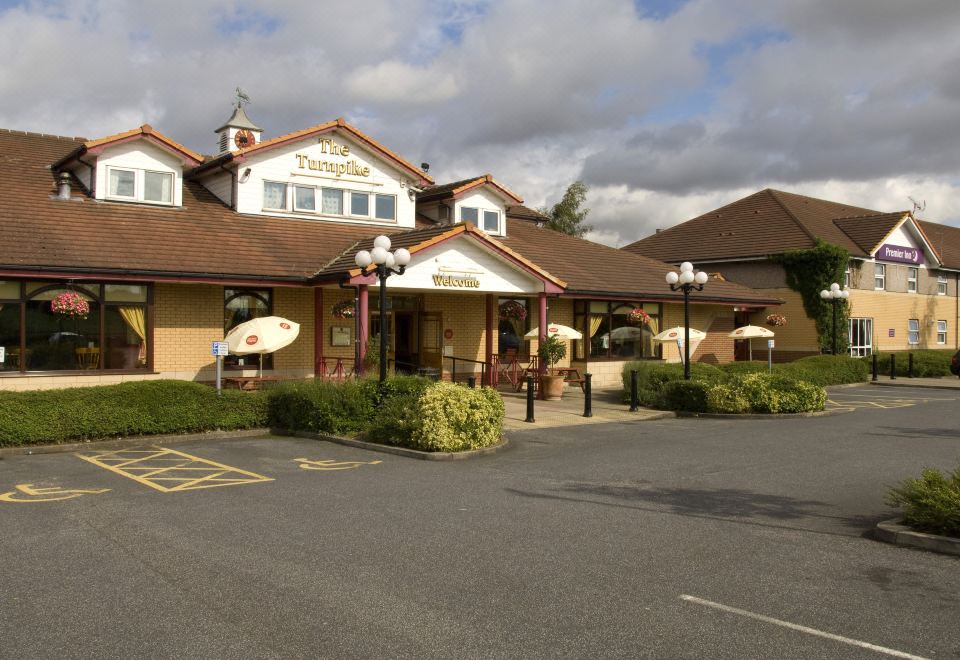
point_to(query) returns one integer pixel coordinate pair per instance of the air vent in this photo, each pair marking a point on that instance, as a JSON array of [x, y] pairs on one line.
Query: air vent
[[224, 141]]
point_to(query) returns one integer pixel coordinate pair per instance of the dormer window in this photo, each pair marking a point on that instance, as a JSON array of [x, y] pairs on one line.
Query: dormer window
[[491, 219], [140, 185]]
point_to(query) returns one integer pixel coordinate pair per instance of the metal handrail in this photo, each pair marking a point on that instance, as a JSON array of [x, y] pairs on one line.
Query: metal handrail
[[484, 366], [513, 368]]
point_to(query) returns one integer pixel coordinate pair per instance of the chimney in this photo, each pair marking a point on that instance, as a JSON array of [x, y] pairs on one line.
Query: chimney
[[63, 186]]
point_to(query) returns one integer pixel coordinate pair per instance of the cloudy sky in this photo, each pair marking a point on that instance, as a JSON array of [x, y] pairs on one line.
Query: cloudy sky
[[666, 109]]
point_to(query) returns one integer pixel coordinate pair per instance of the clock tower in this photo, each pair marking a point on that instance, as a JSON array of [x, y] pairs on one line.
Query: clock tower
[[238, 132]]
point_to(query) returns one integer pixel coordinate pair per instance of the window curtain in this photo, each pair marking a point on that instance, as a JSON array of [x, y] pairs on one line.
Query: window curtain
[[136, 320], [654, 329]]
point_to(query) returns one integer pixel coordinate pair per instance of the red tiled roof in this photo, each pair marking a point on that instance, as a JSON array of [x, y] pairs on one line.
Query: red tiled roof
[[457, 188], [146, 131], [868, 231]]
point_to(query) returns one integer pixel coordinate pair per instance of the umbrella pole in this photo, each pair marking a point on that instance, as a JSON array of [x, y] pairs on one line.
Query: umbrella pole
[[750, 344]]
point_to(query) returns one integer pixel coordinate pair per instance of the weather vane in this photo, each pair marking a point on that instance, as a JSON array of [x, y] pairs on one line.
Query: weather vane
[[242, 98]]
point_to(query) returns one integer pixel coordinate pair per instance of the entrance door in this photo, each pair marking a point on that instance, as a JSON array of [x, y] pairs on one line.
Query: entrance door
[[405, 341], [741, 347], [431, 340]]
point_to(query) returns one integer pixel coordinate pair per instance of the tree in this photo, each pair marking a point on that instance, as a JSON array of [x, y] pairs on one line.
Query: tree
[[567, 216]]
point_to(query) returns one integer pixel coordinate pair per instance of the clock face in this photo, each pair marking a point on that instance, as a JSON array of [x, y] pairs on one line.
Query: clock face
[[244, 139]]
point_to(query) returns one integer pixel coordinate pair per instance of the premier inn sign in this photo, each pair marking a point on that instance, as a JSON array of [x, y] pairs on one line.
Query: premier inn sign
[[907, 255]]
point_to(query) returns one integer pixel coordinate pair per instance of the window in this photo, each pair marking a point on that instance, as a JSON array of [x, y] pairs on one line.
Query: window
[[158, 187], [846, 276], [113, 335], [941, 284], [912, 279], [941, 332], [240, 305], [608, 334], [491, 221], [332, 201], [913, 331], [274, 195], [511, 329], [879, 277], [122, 183], [304, 199], [360, 204], [468, 214], [140, 185], [386, 207], [861, 337]]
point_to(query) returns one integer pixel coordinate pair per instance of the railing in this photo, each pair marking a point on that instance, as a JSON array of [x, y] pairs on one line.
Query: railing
[[453, 371], [514, 368], [337, 368]]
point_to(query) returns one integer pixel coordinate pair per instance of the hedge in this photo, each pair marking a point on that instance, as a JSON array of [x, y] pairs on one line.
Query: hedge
[[453, 418], [927, 363], [826, 369], [322, 406], [652, 376], [140, 408], [931, 503]]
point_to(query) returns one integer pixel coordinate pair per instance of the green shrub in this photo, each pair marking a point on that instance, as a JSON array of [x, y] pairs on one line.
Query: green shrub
[[685, 395], [397, 416], [826, 369], [931, 503], [737, 368], [319, 406], [927, 363], [725, 398], [455, 418], [652, 376], [140, 408], [767, 394]]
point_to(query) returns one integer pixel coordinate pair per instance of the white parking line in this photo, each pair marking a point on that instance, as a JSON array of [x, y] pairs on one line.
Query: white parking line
[[803, 629]]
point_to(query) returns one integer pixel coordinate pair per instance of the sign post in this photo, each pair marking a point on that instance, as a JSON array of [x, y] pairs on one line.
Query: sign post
[[770, 355], [219, 349]]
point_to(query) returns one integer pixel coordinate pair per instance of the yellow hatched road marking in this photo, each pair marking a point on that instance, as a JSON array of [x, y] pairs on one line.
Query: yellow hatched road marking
[[185, 471]]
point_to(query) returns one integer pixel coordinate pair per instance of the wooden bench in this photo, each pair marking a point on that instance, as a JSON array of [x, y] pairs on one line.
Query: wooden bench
[[572, 376], [248, 383]]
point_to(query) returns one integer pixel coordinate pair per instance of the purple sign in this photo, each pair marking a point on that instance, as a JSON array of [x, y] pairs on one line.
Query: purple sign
[[899, 253]]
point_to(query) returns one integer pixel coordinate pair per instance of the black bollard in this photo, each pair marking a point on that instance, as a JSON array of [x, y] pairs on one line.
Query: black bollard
[[472, 382], [876, 368], [587, 395], [910, 365], [530, 400], [634, 394], [893, 366]]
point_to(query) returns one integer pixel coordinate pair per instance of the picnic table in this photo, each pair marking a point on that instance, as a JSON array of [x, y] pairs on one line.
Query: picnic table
[[248, 383]]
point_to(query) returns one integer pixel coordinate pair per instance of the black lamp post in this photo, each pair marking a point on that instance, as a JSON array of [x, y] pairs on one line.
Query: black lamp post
[[835, 296], [383, 263], [686, 281]]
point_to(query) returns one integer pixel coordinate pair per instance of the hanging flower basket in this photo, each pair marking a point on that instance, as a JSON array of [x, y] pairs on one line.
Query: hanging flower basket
[[776, 320], [513, 310], [344, 310], [70, 304], [638, 317]]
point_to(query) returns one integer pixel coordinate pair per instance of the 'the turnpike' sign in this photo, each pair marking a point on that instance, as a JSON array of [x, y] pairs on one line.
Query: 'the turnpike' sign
[[899, 253]]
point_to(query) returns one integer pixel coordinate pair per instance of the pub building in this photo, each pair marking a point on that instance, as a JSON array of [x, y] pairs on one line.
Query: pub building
[[902, 275], [126, 256]]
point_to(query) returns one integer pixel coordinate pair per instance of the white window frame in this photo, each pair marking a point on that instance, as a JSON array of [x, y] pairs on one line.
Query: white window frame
[[470, 208], [913, 276], [913, 336], [864, 332], [126, 198], [343, 209], [354, 213], [286, 196], [483, 223], [304, 209], [941, 284], [846, 277], [173, 181], [880, 274], [941, 332], [395, 209]]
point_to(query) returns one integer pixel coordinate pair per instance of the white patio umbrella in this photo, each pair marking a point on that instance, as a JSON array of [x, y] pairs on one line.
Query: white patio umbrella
[[749, 332], [555, 330], [676, 334], [262, 335]]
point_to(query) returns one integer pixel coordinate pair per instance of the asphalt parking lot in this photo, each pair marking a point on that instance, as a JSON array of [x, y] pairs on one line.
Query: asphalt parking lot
[[670, 538]]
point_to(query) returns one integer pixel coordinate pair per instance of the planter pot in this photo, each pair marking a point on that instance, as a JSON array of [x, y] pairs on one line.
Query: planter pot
[[552, 387]]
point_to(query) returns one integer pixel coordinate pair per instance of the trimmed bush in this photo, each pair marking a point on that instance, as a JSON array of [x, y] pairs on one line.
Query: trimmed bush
[[739, 368], [323, 406], [685, 395], [927, 363], [826, 369], [454, 418], [728, 399], [652, 376], [140, 408], [769, 394], [398, 415], [931, 503]]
